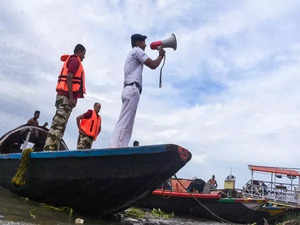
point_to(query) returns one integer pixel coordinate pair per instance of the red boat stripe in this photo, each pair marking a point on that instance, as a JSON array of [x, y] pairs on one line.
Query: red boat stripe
[[186, 195]]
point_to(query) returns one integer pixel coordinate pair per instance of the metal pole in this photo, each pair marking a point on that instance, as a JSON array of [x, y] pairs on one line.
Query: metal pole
[[271, 183], [252, 183], [26, 140], [275, 186]]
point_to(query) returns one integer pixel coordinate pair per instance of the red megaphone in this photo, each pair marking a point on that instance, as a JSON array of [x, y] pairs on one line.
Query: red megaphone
[[155, 45]]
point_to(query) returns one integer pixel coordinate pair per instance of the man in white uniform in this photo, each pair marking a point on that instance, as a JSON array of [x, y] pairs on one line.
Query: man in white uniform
[[133, 70]]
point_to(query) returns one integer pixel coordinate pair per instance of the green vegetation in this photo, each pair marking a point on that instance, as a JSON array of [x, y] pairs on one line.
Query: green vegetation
[[291, 220], [161, 214], [135, 213], [139, 213], [31, 213], [68, 210]]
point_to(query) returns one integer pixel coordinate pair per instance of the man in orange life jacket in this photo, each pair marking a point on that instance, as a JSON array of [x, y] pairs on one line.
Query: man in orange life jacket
[[89, 125], [70, 87], [212, 183]]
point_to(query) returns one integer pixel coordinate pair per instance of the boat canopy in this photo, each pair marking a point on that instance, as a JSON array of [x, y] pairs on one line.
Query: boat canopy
[[275, 170]]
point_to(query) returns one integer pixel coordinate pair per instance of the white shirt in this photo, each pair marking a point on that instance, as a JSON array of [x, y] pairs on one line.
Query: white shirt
[[133, 67]]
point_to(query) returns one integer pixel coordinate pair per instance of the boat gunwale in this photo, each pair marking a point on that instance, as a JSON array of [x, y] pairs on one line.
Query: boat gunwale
[[243, 200], [165, 193], [94, 152]]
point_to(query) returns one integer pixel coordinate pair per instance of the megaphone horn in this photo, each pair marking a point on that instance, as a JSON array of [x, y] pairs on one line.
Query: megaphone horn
[[170, 42]]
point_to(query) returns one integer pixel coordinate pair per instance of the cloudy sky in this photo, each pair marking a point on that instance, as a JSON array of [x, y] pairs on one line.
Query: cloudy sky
[[230, 92]]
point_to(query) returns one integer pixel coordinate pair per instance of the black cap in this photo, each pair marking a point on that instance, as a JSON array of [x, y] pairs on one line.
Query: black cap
[[137, 37]]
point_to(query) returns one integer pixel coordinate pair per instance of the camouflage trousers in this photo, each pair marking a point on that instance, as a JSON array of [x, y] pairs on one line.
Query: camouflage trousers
[[59, 122], [84, 141]]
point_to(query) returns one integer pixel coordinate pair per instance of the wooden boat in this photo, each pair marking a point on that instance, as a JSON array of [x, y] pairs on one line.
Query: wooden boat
[[277, 209], [25, 136], [281, 190], [210, 205], [95, 182]]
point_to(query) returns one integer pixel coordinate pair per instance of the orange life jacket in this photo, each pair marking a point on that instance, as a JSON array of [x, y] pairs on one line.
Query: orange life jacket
[[212, 182], [78, 80], [91, 126]]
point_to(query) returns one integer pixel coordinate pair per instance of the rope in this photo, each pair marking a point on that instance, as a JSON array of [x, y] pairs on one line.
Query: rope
[[222, 220], [160, 74], [19, 178]]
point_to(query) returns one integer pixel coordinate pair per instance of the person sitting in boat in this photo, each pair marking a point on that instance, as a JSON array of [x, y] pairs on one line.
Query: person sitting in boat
[[213, 183], [89, 125], [136, 143], [36, 133], [34, 120], [167, 185]]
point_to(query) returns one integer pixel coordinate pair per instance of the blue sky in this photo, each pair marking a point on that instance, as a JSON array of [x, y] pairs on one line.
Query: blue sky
[[230, 92]]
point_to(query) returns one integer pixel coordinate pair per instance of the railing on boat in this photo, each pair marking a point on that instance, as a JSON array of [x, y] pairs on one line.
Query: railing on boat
[[279, 191], [287, 191]]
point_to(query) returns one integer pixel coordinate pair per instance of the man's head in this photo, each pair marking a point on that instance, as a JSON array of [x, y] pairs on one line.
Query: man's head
[[136, 143], [213, 176], [36, 114], [79, 51], [97, 107], [138, 40]]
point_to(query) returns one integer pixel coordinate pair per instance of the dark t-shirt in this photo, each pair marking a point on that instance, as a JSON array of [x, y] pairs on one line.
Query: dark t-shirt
[[73, 64], [88, 114], [32, 121]]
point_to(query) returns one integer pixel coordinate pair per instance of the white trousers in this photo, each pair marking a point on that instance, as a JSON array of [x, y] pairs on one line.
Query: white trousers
[[123, 129]]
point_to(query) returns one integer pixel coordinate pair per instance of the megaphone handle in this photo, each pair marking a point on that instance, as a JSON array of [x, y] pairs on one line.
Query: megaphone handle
[[160, 74]]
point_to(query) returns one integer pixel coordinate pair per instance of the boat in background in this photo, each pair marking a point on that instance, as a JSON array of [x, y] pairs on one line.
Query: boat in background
[[280, 188], [92, 182], [14, 141], [204, 205], [281, 192]]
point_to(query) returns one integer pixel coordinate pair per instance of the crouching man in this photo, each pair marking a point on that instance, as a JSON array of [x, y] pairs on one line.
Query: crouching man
[[89, 125]]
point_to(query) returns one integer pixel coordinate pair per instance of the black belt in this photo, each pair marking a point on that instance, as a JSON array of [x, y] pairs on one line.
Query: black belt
[[136, 84]]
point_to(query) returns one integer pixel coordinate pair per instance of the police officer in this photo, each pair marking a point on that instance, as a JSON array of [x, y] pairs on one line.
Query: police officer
[[133, 70]]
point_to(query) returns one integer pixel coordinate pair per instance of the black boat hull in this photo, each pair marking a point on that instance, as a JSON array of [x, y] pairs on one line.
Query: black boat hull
[[207, 208], [94, 182]]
